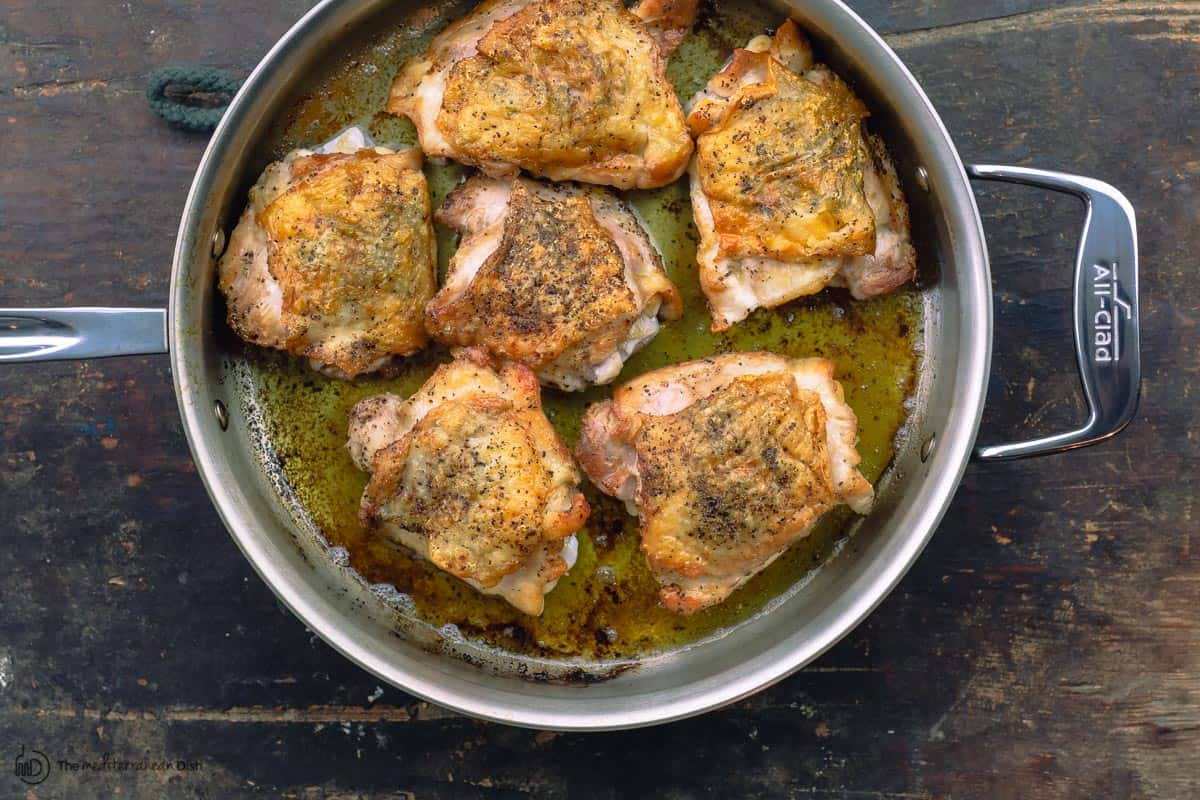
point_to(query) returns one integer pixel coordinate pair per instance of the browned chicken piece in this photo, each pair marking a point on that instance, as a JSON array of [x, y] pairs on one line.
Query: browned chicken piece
[[667, 20], [564, 89], [562, 279], [788, 191], [726, 462], [333, 258], [469, 474]]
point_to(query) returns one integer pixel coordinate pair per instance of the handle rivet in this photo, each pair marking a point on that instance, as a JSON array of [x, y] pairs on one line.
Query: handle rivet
[[923, 178], [218, 243], [927, 447], [222, 415]]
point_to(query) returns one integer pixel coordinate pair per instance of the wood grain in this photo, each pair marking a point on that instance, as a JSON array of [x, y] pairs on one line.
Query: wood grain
[[1045, 646]]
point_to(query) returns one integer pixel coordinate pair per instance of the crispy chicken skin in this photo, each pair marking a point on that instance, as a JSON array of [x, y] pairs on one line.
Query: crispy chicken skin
[[789, 193], [726, 461], [333, 259], [562, 279], [564, 89], [667, 20], [469, 473]]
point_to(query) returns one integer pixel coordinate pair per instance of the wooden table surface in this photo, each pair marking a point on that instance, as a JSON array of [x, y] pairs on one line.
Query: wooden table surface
[[1047, 644]]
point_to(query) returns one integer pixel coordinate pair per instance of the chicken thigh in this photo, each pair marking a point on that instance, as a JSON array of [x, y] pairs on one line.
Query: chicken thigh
[[469, 474], [564, 89], [726, 461], [562, 279], [333, 258], [788, 191]]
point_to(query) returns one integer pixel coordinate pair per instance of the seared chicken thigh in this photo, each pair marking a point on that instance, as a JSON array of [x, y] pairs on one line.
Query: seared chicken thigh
[[333, 258], [789, 193], [561, 279], [564, 89], [726, 461], [469, 474]]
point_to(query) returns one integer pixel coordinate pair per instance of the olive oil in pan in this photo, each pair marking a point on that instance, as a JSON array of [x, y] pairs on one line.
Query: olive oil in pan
[[607, 606]]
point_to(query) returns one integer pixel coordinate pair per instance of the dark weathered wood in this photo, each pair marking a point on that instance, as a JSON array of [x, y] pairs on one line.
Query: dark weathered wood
[[1046, 645]]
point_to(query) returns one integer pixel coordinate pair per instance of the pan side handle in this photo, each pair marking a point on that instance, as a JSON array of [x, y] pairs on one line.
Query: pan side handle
[[64, 334], [1107, 342]]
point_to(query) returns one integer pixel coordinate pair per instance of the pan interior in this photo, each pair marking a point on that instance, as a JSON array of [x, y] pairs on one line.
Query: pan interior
[[605, 612]]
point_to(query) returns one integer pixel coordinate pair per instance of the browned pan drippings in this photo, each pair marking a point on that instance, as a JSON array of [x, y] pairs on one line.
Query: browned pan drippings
[[607, 607]]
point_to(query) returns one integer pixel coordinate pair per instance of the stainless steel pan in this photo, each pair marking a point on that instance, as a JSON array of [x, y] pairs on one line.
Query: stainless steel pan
[[914, 495]]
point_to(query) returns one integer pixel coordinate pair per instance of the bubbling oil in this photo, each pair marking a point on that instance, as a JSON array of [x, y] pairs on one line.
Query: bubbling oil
[[607, 606]]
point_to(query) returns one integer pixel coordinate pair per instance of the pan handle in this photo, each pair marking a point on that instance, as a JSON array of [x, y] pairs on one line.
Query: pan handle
[[64, 334], [1107, 341]]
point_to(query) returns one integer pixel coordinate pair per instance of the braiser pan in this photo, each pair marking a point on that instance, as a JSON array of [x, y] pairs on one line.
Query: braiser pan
[[361, 622]]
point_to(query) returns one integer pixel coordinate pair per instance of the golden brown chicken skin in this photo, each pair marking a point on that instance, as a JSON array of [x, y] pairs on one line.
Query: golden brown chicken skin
[[789, 193], [560, 278], [333, 260], [470, 474], [726, 462], [564, 89]]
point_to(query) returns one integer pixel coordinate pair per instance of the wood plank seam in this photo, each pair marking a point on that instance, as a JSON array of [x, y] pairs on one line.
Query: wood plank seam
[[1173, 14], [318, 714]]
